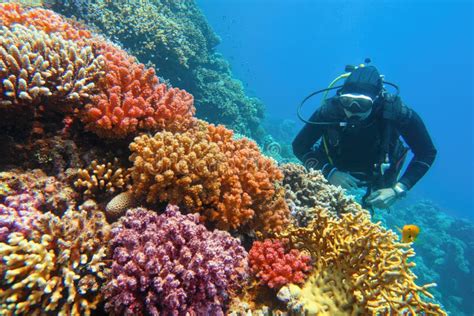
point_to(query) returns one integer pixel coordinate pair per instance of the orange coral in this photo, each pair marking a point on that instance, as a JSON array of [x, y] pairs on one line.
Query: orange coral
[[44, 20], [234, 186], [132, 99]]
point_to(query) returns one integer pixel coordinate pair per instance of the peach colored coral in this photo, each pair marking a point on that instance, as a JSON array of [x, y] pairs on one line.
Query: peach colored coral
[[131, 99], [44, 20]]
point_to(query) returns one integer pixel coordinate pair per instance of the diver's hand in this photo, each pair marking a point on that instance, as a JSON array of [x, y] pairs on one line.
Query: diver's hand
[[343, 179], [382, 198]]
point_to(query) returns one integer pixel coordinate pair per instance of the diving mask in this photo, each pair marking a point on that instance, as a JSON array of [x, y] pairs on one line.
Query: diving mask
[[356, 103]]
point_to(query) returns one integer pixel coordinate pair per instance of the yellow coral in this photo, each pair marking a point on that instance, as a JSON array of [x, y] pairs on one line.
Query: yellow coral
[[360, 268], [102, 178], [59, 272]]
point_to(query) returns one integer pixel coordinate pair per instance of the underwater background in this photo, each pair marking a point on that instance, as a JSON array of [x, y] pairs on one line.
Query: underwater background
[[247, 65]]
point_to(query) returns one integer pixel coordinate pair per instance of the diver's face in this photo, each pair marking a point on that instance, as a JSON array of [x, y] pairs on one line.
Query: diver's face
[[357, 107]]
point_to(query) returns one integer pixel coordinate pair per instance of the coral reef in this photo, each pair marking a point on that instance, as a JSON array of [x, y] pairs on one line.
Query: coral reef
[[444, 253], [275, 265], [359, 268], [59, 270], [204, 169], [175, 36], [118, 206], [102, 178], [170, 264], [307, 192]]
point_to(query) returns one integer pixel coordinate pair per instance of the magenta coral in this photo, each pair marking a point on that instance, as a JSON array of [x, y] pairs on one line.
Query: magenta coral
[[276, 265], [170, 264]]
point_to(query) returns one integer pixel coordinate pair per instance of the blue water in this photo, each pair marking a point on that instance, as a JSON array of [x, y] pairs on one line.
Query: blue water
[[284, 50]]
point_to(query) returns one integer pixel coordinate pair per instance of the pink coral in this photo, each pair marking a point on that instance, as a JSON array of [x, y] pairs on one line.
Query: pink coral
[[19, 213], [170, 264], [275, 265]]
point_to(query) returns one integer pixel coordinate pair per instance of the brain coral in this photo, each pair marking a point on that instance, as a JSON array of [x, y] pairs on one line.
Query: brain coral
[[170, 264]]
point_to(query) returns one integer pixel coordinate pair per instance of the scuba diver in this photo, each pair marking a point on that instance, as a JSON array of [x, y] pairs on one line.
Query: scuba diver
[[354, 138]]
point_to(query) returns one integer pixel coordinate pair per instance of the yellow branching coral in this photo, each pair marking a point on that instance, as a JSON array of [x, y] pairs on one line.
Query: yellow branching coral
[[60, 270], [34, 64], [102, 178], [360, 268]]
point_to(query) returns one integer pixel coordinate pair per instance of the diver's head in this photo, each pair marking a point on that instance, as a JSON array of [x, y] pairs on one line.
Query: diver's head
[[359, 92]]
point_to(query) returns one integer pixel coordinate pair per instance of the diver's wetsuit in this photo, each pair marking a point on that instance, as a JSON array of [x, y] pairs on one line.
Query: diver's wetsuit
[[356, 149]]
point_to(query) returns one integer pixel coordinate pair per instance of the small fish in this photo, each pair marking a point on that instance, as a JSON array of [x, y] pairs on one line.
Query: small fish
[[409, 233]]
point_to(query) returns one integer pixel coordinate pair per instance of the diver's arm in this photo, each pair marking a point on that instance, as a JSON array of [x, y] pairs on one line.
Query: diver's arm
[[305, 140], [415, 134]]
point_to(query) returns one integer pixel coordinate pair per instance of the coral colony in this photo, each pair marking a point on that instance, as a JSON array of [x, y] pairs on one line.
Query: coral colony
[[115, 198]]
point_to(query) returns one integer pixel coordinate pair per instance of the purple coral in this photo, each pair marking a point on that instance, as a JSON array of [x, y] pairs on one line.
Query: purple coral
[[18, 213], [170, 264]]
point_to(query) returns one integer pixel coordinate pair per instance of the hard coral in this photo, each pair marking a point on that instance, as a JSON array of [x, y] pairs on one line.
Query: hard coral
[[227, 180], [59, 270], [363, 263], [44, 20], [102, 178], [19, 213], [131, 99], [276, 265], [36, 66], [170, 264]]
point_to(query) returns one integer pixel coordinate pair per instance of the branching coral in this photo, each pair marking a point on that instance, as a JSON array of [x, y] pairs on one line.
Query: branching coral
[[227, 180], [276, 265], [58, 272], [170, 264], [102, 178], [36, 65], [132, 99], [369, 269], [19, 213]]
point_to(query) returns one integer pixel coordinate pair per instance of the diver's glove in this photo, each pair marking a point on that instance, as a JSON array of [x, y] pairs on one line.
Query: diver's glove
[[343, 179], [384, 198]]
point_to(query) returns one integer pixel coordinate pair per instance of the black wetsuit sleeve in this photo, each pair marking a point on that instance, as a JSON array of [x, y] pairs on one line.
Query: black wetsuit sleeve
[[415, 134], [303, 145]]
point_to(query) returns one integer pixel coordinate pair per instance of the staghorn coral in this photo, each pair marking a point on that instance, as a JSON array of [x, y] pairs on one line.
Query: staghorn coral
[[60, 270], [366, 269], [131, 99], [307, 192], [102, 178], [36, 65], [170, 264], [227, 180], [276, 265]]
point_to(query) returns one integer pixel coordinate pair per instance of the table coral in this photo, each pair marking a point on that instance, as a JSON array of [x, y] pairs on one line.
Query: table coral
[[170, 264], [362, 262], [276, 265], [132, 99], [58, 271], [36, 65]]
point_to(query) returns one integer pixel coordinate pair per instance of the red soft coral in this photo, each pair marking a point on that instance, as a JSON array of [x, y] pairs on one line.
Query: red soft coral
[[276, 265]]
